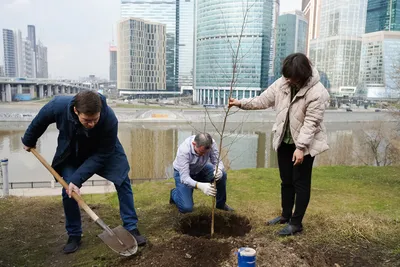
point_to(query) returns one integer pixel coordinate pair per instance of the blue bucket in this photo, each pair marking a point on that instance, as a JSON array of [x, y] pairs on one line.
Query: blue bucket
[[246, 257]]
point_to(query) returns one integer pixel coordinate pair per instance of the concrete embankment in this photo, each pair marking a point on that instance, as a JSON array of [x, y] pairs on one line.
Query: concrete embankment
[[26, 113]]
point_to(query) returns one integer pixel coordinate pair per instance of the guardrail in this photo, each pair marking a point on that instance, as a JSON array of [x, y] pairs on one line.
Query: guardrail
[[49, 184]]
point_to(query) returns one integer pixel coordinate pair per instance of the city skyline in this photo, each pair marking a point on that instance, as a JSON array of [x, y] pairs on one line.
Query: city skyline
[[95, 20]]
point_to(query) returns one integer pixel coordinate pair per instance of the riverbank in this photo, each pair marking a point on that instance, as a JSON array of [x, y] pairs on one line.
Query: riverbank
[[21, 112], [352, 220]]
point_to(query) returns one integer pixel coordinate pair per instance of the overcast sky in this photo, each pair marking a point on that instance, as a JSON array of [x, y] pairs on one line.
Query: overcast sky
[[76, 32]]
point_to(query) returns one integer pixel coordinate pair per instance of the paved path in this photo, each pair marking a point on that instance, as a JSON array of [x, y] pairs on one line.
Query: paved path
[[35, 192]]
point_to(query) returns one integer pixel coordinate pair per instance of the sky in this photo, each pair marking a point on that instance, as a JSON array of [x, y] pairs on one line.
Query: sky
[[77, 33]]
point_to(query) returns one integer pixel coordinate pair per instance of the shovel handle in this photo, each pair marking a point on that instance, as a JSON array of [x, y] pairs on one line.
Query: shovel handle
[[77, 197]]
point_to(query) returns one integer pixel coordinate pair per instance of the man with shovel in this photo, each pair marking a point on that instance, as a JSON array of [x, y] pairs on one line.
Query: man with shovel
[[195, 167], [87, 145]]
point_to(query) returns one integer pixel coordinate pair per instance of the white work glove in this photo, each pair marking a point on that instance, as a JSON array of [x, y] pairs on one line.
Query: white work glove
[[218, 174], [207, 189]]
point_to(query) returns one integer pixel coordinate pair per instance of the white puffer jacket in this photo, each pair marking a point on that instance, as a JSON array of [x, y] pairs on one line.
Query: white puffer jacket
[[306, 113]]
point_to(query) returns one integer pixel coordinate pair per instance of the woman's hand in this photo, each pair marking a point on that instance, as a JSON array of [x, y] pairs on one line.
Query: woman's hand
[[298, 157], [234, 102]]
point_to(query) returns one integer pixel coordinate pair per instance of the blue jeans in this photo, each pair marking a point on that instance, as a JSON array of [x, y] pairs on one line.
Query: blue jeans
[[72, 213], [183, 194]]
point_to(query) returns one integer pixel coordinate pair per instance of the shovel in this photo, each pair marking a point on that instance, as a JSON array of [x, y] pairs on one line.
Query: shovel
[[118, 239]]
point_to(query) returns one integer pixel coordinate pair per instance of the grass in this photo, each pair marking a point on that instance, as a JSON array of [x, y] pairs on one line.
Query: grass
[[353, 218]]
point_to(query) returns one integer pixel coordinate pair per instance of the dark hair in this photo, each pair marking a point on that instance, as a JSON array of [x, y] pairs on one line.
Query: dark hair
[[87, 102], [203, 139], [297, 67]]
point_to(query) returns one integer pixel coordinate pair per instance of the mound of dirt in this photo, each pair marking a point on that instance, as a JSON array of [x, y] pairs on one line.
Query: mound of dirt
[[183, 251], [225, 225]]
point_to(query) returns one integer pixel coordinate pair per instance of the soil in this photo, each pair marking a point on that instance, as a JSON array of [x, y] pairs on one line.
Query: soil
[[225, 225], [32, 234], [183, 251]]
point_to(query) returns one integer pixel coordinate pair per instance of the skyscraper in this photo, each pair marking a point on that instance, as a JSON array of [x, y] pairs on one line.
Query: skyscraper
[[291, 37], [141, 55], [337, 50], [380, 65], [219, 26], [21, 57], [113, 63], [185, 16], [165, 12], [312, 12], [10, 53], [383, 15], [41, 59], [32, 40], [32, 36], [29, 61], [274, 27]]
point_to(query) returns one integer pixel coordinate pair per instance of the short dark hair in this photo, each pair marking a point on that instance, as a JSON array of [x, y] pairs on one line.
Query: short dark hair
[[87, 102], [203, 139], [298, 68]]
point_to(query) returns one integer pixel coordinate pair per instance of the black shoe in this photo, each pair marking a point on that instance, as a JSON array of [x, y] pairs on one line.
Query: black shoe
[[72, 244], [141, 240], [279, 219], [171, 200], [290, 229], [226, 208]]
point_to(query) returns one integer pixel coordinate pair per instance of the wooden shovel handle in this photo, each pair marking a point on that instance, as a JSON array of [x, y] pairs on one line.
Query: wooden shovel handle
[[77, 197]]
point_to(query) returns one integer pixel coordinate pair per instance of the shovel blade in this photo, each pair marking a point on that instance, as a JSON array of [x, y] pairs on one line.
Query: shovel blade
[[121, 241]]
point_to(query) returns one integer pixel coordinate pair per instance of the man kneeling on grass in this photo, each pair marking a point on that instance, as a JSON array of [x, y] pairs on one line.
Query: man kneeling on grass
[[195, 167]]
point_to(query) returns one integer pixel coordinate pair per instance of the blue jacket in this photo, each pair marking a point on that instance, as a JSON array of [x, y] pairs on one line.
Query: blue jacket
[[104, 154]]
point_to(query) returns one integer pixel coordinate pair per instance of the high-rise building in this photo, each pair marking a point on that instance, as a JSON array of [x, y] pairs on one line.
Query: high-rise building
[[275, 15], [113, 63], [41, 59], [29, 60], [185, 15], [141, 55], [383, 15], [165, 12], [32, 36], [21, 57], [312, 12], [380, 65], [20, 52], [10, 53], [291, 37], [32, 40], [219, 29], [336, 52], [2, 73]]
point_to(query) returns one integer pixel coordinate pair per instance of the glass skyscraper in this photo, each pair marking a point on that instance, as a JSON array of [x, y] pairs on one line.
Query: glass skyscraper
[[10, 53], [219, 27], [383, 15], [380, 65], [165, 12], [186, 44], [291, 37], [336, 51]]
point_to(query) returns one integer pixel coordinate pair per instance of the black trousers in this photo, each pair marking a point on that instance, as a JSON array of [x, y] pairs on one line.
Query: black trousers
[[296, 183]]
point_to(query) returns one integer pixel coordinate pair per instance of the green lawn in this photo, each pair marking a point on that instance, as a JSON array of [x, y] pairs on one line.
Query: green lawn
[[353, 219]]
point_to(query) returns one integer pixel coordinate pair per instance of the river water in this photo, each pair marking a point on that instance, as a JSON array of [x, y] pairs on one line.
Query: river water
[[151, 147]]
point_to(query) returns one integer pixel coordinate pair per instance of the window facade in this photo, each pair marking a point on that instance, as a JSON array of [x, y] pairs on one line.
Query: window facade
[[165, 12], [219, 27], [141, 55]]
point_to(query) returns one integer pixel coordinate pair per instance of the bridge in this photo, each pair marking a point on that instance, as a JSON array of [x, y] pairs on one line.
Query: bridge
[[16, 89]]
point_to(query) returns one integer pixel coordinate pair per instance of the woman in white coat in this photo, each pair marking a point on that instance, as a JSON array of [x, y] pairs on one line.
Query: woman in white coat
[[299, 99]]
